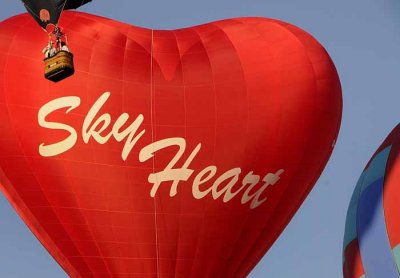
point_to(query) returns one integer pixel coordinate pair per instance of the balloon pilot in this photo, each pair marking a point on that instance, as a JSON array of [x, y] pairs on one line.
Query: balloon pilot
[[49, 50], [64, 47]]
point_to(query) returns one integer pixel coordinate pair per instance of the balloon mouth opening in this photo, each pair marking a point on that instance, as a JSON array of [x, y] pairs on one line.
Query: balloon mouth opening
[[50, 28]]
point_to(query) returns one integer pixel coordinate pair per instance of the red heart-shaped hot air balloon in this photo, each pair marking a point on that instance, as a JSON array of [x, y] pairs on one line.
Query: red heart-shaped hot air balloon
[[178, 153]]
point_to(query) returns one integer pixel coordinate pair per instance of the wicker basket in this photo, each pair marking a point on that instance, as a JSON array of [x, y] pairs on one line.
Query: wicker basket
[[59, 67]]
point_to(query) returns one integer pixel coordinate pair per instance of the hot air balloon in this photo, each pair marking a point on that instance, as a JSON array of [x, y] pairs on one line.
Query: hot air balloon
[[372, 235], [169, 153], [59, 63]]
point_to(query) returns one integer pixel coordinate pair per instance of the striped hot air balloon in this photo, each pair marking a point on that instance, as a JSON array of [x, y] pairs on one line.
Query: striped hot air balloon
[[371, 247]]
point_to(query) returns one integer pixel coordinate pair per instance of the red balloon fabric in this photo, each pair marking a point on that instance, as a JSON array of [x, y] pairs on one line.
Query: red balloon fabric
[[179, 153]]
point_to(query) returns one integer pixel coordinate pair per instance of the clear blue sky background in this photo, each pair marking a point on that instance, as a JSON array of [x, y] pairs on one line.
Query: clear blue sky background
[[363, 39]]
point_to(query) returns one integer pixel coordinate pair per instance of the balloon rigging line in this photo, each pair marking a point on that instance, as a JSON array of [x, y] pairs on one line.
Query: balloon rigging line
[[152, 139], [62, 9]]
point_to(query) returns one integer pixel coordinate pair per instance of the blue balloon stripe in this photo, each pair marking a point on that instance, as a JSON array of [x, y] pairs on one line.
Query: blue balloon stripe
[[376, 253], [351, 220], [376, 168]]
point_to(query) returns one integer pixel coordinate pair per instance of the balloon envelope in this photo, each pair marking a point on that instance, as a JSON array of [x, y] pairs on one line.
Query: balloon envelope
[[179, 153], [372, 234]]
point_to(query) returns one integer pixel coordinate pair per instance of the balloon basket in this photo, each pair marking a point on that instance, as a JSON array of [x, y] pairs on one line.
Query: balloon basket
[[59, 67]]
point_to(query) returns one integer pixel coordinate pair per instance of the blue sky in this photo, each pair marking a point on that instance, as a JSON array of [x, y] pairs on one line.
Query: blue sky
[[363, 40]]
